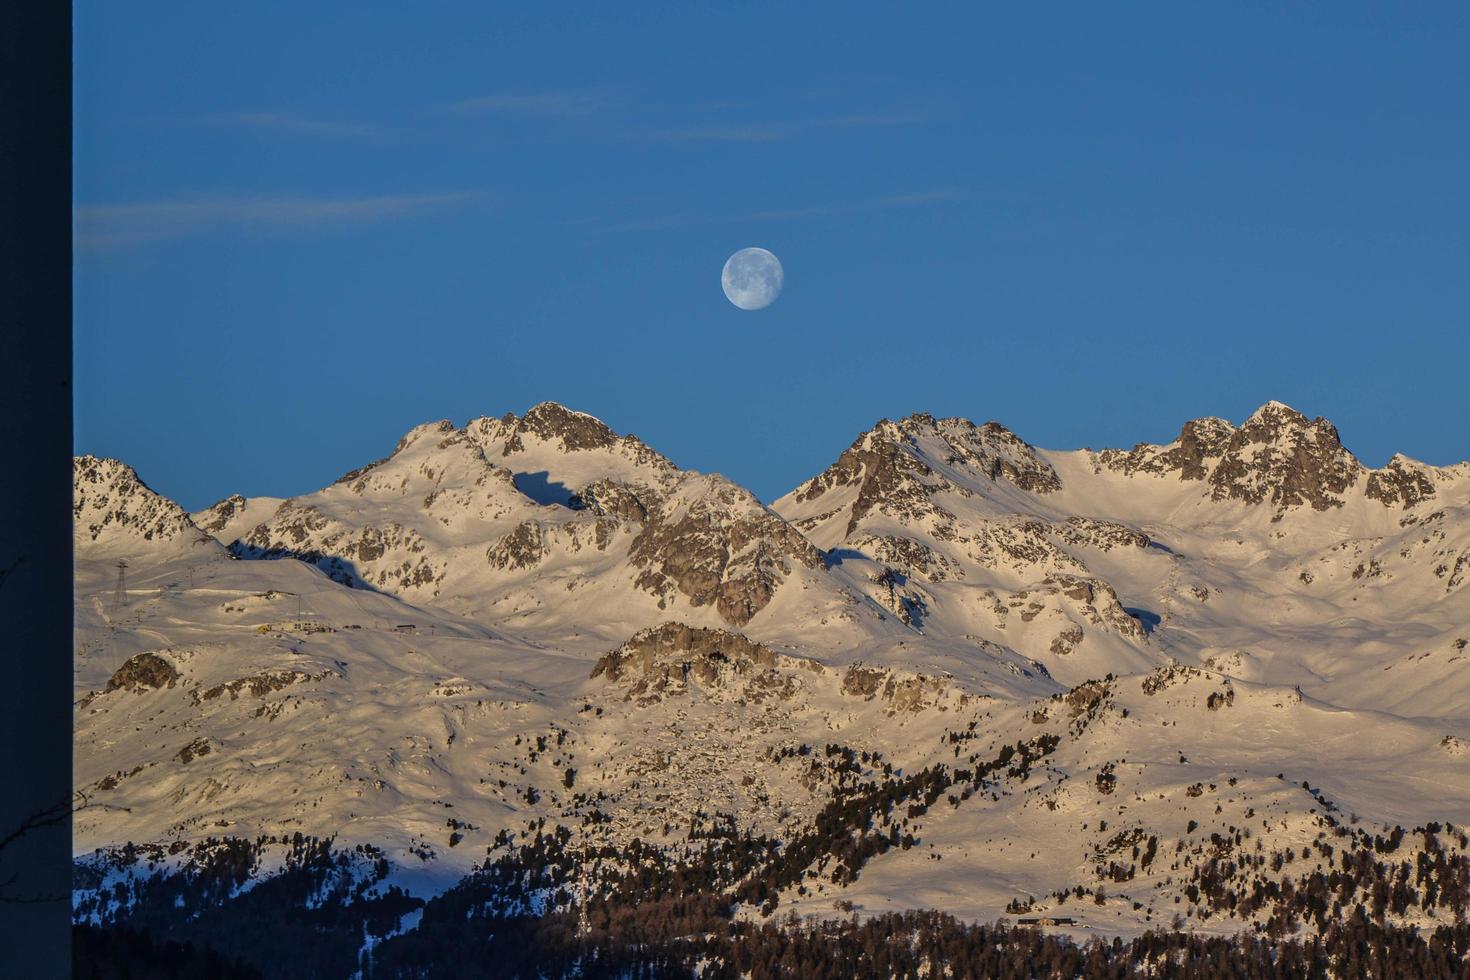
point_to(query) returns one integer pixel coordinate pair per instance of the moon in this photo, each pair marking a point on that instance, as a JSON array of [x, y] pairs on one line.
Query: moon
[[752, 278]]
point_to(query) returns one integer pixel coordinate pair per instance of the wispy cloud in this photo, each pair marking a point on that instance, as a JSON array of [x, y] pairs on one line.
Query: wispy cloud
[[534, 103], [125, 224], [792, 214], [771, 132], [286, 122]]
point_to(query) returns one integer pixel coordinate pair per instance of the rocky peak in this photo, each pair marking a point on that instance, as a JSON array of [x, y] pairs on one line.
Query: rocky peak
[[887, 471], [896, 466], [418, 432], [1200, 445], [575, 430], [430, 461], [556, 486], [1403, 481], [394, 524], [568, 446], [1277, 422], [1280, 456], [999, 453], [113, 509], [424, 430], [1277, 456], [218, 516]]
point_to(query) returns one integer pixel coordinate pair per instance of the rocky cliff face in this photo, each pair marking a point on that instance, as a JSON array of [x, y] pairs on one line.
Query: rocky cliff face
[[716, 544]]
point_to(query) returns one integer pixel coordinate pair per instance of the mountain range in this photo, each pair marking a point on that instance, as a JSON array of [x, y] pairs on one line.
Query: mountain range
[[951, 671]]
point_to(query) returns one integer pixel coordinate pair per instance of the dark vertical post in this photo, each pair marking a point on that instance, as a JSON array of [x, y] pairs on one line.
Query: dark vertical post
[[35, 495]]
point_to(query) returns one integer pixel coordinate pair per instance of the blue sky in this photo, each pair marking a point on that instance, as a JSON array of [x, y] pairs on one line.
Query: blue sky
[[304, 228]]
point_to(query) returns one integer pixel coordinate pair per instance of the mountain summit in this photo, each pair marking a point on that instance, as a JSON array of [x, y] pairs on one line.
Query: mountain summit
[[521, 519], [1277, 457]]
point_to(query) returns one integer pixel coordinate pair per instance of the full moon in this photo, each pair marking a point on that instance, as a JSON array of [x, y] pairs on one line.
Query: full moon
[[752, 278]]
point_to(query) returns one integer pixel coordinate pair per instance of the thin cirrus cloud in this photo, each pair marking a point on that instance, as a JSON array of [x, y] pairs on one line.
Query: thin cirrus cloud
[[533, 104], [287, 122], [772, 132], [102, 225], [918, 199]]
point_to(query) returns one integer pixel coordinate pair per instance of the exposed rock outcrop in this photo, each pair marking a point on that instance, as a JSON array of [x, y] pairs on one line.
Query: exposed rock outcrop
[[666, 660], [1277, 457], [143, 672], [1402, 481], [720, 548]]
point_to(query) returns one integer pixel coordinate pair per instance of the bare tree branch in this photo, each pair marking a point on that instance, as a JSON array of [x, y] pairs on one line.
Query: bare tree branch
[[52, 816], [5, 573]]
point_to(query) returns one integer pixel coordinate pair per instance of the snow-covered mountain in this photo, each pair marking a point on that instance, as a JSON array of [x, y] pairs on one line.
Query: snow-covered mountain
[[1268, 548], [952, 670], [116, 514], [549, 522]]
